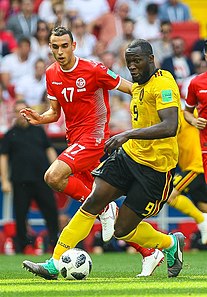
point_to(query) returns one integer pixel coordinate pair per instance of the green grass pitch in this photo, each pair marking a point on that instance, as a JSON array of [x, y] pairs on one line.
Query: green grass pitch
[[113, 274]]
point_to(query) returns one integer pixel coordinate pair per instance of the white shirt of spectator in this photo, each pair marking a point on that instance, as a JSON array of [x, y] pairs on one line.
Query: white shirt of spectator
[[26, 86], [88, 10], [85, 48], [46, 12], [144, 30], [41, 51], [11, 64]]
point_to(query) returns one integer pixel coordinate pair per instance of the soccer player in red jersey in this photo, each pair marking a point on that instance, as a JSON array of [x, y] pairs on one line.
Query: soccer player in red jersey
[[80, 87], [197, 98]]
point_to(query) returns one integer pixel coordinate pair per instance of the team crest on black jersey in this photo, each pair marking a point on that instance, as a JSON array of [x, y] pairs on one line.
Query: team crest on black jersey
[[80, 82], [158, 73], [141, 96]]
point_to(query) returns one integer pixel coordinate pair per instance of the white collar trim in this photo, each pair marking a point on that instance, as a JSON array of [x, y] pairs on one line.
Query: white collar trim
[[74, 66]]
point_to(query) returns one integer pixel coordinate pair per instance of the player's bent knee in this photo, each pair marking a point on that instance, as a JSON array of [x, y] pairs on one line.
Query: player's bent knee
[[93, 205], [52, 179]]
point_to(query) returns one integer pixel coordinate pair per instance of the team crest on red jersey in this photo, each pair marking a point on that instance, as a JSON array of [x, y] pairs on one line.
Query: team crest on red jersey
[[80, 82]]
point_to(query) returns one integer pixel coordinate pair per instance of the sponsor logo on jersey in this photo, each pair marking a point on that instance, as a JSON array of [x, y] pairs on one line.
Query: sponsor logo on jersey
[[80, 82], [111, 73], [166, 96], [57, 83]]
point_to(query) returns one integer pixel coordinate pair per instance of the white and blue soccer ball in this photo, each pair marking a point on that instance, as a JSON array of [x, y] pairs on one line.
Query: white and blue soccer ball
[[75, 264]]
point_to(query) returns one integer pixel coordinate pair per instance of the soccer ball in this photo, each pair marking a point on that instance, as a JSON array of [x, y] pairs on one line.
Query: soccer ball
[[75, 264]]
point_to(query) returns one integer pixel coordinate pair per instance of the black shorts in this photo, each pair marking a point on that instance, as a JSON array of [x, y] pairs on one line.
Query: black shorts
[[146, 189], [192, 184]]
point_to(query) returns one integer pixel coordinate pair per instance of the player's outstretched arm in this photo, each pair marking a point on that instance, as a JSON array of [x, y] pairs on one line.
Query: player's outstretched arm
[[125, 86], [49, 116]]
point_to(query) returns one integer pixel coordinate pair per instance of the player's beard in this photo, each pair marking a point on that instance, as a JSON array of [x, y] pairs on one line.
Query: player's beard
[[144, 77]]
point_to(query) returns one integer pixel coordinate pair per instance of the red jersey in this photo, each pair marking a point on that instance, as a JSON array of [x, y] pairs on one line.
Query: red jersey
[[197, 94], [83, 95]]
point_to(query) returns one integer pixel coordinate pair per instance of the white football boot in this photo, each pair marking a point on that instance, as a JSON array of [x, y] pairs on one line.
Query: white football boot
[[107, 219], [150, 263]]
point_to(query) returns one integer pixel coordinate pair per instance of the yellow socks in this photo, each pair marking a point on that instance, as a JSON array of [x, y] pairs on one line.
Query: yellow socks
[[186, 206], [146, 236], [76, 230]]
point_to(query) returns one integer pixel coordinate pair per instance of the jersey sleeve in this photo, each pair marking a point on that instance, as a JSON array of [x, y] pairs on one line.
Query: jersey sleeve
[[50, 94], [191, 99], [167, 94], [106, 78]]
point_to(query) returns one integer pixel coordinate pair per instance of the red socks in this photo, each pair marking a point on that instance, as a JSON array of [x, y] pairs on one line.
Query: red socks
[[76, 189], [145, 252]]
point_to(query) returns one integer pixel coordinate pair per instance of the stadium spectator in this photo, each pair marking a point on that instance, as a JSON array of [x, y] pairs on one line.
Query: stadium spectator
[[46, 12], [132, 169], [162, 46], [16, 65], [197, 53], [127, 36], [174, 11], [24, 23], [110, 25], [85, 41], [61, 18], [178, 64], [148, 27], [137, 8], [33, 81], [8, 42], [39, 42], [9, 7], [98, 50], [25, 156], [88, 10]]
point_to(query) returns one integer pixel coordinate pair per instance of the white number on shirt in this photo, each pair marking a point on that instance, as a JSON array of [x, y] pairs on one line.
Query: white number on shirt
[[64, 92], [75, 148]]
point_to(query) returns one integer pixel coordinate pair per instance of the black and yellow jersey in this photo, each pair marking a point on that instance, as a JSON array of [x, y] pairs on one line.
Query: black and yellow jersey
[[190, 157], [159, 92]]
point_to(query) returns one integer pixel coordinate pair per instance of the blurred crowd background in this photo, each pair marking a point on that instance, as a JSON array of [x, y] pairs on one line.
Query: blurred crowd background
[[102, 30]]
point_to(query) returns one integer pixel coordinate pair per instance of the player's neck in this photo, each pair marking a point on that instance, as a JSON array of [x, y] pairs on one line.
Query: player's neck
[[70, 65]]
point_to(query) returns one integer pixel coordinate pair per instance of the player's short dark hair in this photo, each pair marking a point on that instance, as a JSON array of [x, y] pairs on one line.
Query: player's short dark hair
[[145, 46], [205, 46], [60, 31]]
